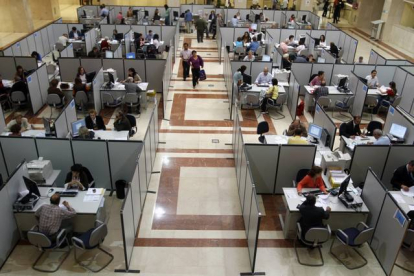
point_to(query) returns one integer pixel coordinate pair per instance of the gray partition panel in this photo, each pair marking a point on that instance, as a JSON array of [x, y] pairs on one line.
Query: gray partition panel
[[116, 64], [38, 42], [257, 68], [142, 177], [70, 114], [128, 226], [68, 68], [28, 63], [227, 35], [263, 165], [167, 34], [385, 74], [61, 126], [91, 64], [154, 80], [242, 176], [366, 156], [123, 28], [247, 201], [362, 70], [360, 95], [333, 36], [399, 155], [352, 51], [373, 195], [381, 60], [58, 30], [302, 72], [407, 93], [123, 156], [3, 169], [51, 37], [43, 80], [147, 149], [253, 235], [285, 33], [289, 167], [321, 118], [34, 91], [139, 29], [15, 149], [343, 69], [24, 46], [59, 152], [136, 197], [17, 50], [294, 99], [107, 30], [45, 40], [384, 245], [94, 156], [139, 66], [7, 67], [373, 57]]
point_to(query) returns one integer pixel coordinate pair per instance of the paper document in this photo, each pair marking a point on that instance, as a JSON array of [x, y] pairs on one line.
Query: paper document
[[291, 194], [95, 191], [411, 207], [398, 198], [322, 203], [409, 193], [91, 198]]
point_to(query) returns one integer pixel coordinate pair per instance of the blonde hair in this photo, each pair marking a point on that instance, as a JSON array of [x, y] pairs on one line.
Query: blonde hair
[[92, 111], [17, 115], [83, 132]]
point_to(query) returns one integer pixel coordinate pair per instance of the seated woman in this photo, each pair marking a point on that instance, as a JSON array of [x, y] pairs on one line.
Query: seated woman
[[79, 86], [94, 121], [84, 133], [272, 92], [312, 216], [388, 96], [239, 43], [19, 120], [16, 130], [53, 89], [37, 56], [81, 74], [246, 37], [312, 180], [121, 122], [105, 44], [76, 178], [134, 75], [322, 41], [114, 33]]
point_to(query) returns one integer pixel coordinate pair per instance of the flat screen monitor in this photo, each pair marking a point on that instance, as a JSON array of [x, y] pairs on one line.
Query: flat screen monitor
[[398, 131], [135, 13], [315, 131], [302, 40], [321, 60], [90, 76], [342, 82], [76, 126], [344, 185], [146, 13], [304, 18], [119, 36], [46, 124], [130, 55], [111, 78], [317, 41], [259, 37], [109, 54], [31, 186], [247, 79], [266, 58], [253, 26]]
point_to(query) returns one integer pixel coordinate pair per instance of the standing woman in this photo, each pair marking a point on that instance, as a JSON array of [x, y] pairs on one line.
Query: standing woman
[[196, 63], [130, 12], [167, 14]]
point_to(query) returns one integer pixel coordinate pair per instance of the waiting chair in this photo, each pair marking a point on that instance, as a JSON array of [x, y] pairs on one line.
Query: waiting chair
[[133, 122], [54, 101], [262, 127], [132, 100], [18, 98], [386, 104], [373, 125], [59, 47], [278, 103], [43, 243], [81, 100], [314, 238], [408, 243], [92, 239], [110, 101], [240, 52], [370, 103], [353, 237], [324, 102], [344, 105], [299, 176]]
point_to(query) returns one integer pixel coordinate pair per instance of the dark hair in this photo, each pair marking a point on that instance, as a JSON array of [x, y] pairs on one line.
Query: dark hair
[[78, 81], [34, 54], [133, 71], [235, 16], [242, 68], [254, 38], [79, 70], [320, 73], [310, 200], [274, 81], [393, 86], [54, 83], [185, 44], [55, 199], [411, 163], [76, 168], [314, 171], [322, 40], [355, 117], [194, 51], [373, 71], [94, 48], [73, 28], [291, 36], [239, 39], [323, 83], [18, 67], [298, 132], [166, 6], [156, 37], [15, 128]]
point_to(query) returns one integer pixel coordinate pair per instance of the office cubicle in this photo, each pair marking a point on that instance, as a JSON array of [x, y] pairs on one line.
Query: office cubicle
[[376, 58], [322, 119], [293, 95], [166, 78], [400, 117]]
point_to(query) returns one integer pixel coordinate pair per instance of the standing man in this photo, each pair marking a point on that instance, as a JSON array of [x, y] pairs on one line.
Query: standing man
[[104, 12], [200, 26], [185, 55], [167, 15], [188, 17]]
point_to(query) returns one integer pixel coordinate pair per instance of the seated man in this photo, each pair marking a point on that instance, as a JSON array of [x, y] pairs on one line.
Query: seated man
[[122, 123], [94, 53], [53, 89], [372, 80], [380, 139], [297, 138], [297, 124], [321, 91], [403, 177], [264, 77], [254, 45], [75, 34], [19, 120], [77, 178], [352, 128], [94, 121], [16, 130], [312, 216], [312, 180], [51, 217]]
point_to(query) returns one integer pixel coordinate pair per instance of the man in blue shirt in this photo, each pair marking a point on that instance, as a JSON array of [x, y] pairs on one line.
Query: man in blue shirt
[[188, 17], [380, 139], [149, 36], [104, 11], [254, 45]]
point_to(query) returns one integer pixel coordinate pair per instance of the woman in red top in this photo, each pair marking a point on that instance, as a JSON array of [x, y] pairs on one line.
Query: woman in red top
[[105, 44], [312, 180], [389, 96]]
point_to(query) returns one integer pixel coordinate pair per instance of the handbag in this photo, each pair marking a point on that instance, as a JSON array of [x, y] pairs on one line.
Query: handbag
[[202, 75]]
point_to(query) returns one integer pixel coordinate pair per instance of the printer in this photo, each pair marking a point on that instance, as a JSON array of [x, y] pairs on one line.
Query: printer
[[335, 159], [39, 170]]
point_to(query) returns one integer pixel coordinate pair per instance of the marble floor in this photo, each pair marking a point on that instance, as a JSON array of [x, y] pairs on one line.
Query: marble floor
[[192, 223]]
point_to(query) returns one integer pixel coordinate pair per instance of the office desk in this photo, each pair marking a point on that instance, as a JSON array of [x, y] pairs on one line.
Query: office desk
[[407, 201], [334, 95], [78, 44], [87, 212], [303, 25], [28, 133], [255, 91], [111, 135], [340, 217], [118, 90], [348, 144]]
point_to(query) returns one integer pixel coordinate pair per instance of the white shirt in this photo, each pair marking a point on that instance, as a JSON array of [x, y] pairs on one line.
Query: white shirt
[[156, 43], [246, 58], [83, 78], [262, 78], [322, 44], [75, 35], [300, 48], [234, 21], [63, 40], [372, 82], [186, 54]]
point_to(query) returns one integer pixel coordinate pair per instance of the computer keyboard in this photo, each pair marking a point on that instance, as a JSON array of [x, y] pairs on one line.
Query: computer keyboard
[[67, 193]]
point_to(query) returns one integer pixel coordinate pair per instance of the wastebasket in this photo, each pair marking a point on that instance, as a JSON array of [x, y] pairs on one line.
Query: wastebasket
[[120, 188]]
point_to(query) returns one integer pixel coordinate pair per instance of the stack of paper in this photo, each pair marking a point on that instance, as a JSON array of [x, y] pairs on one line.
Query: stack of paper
[[398, 198], [95, 191], [410, 192]]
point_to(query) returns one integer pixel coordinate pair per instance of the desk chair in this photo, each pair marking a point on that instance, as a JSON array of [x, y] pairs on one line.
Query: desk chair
[[5, 100], [262, 127], [314, 238], [89, 240], [132, 100], [133, 121], [278, 103], [339, 57], [344, 105], [342, 129], [353, 237], [370, 103], [77, 49], [110, 101], [43, 243], [373, 125], [386, 104], [81, 100], [259, 53], [59, 47], [299, 176], [324, 102], [18, 98], [54, 101], [240, 52], [408, 243], [91, 180], [51, 69]]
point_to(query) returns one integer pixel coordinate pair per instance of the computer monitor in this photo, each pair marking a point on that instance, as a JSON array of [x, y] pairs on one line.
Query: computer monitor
[[135, 13], [257, 17], [119, 36], [398, 131], [46, 124], [266, 58], [317, 41], [1, 180], [109, 54], [247, 79], [111, 78], [253, 26], [304, 18], [76, 126], [321, 60], [90, 76], [344, 186], [259, 37], [130, 55], [31, 186], [342, 82], [146, 13], [302, 40], [315, 131]]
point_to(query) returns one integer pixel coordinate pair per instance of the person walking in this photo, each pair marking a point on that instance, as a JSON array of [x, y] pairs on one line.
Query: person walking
[[213, 21], [325, 8], [186, 55], [337, 12], [188, 20], [196, 63], [200, 26]]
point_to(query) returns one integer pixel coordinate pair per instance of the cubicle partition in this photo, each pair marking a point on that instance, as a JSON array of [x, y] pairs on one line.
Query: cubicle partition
[[376, 58], [399, 155], [407, 91], [67, 51], [321, 118], [2, 121], [97, 83], [167, 75], [128, 224], [293, 95], [37, 83], [400, 117]]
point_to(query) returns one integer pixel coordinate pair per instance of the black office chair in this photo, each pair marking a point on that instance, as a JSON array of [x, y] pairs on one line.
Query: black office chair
[[91, 180], [342, 129], [133, 121], [300, 175], [373, 125], [262, 127]]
